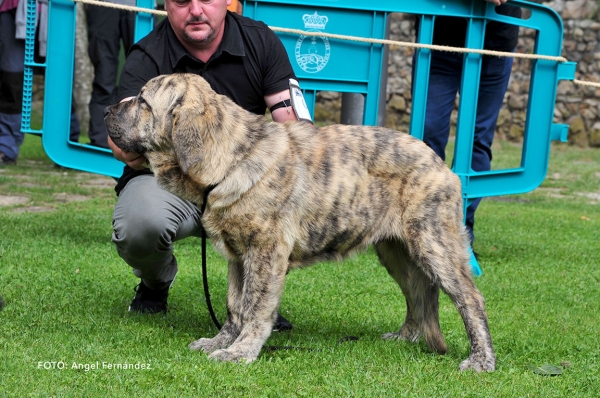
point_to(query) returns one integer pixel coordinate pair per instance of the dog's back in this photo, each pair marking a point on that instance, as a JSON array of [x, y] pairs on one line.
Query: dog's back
[[358, 185]]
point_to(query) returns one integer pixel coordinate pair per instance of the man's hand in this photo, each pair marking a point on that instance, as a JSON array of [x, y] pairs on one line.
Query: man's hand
[[132, 159], [496, 2]]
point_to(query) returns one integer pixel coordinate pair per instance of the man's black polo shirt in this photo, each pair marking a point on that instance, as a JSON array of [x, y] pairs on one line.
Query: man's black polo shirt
[[249, 64]]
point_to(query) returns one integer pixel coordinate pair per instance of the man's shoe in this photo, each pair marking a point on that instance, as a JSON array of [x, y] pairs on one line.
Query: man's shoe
[[282, 324], [149, 301], [6, 161]]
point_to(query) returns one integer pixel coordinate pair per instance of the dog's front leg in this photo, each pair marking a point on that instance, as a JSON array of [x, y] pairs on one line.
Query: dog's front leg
[[233, 324], [263, 286]]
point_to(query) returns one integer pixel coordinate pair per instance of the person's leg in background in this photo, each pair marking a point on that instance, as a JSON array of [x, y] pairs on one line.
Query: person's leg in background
[[12, 56], [127, 29], [495, 74], [444, 83], [74, 126], [104, 46]]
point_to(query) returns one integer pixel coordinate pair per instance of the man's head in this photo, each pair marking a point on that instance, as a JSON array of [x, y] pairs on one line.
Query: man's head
[[197, 23]]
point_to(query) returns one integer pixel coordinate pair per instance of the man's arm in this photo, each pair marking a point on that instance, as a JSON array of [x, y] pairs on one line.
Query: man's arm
[[282, 114]]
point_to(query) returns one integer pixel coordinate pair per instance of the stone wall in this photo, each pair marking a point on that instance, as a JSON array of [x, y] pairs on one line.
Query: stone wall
[[576, 105], [82, 82]]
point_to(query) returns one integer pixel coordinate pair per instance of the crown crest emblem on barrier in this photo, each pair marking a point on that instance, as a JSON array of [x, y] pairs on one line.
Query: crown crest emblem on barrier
[[314, 21]]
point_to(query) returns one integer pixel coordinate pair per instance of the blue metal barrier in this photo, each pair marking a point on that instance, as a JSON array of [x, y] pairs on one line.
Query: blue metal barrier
[[29, 64], [327, 64], [58, 89]]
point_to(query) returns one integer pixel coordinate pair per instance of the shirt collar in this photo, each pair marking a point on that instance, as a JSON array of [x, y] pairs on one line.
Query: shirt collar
[[232, 43]]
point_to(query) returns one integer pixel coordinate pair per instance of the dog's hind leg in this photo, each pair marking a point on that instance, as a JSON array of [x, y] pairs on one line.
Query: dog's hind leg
[[421, 297], [442, 254], [233, 324], [471, 306]]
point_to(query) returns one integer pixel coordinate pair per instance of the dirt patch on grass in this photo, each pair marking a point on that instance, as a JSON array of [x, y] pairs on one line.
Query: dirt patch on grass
[[595, 197], [64, 197], [556, 193], [508, 199], [9, 200], [559, 193], [14, 200], [99, 182], [553, 192], [33, 209], [38, 183]]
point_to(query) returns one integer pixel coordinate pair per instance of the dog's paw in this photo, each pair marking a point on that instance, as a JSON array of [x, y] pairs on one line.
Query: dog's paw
[[401, 336], [478, 364], [391, 336], [207, 345], [229, 355]]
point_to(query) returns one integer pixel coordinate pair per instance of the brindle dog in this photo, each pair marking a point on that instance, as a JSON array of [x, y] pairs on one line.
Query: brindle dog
[[280, 196]]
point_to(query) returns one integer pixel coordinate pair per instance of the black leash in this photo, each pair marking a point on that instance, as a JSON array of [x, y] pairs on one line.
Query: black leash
[[205, 283], [204, 273]]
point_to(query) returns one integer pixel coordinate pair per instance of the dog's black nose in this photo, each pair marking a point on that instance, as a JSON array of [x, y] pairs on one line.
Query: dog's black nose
[[106, 111]]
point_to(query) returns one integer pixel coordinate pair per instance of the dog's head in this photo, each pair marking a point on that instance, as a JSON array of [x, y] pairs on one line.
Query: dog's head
[[164, 119]]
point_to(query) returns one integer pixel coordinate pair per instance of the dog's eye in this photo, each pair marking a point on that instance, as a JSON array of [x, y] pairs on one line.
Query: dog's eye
[[144, 105], [142, 102]]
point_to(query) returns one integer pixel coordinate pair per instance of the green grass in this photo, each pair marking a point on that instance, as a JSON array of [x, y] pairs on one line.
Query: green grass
[[66, 293]]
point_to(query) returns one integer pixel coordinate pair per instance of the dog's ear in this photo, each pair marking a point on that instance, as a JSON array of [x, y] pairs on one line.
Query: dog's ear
[[186, 136]]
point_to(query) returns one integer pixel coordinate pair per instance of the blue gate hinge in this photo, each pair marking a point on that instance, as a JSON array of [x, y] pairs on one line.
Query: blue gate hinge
[[559, 132], [566, 70]]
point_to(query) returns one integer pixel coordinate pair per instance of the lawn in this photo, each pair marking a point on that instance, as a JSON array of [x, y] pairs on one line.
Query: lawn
[[65, 329]]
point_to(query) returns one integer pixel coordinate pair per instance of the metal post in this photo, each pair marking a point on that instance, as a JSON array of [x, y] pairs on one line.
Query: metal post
[[353, 108]]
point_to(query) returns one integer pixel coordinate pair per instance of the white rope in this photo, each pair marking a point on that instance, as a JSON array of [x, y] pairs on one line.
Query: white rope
[[421, 45], [367, 40], [120, 6], [584, 83]]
